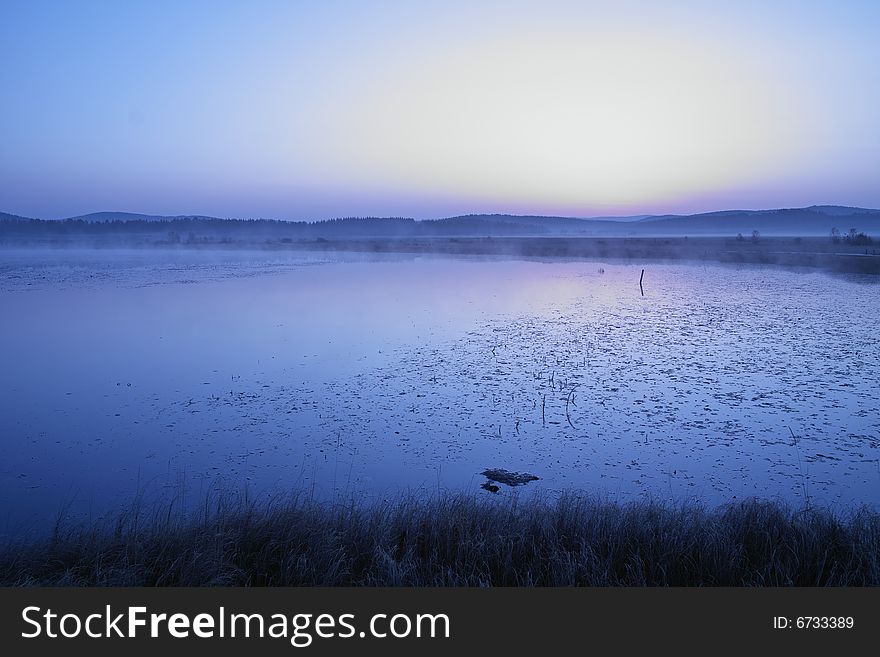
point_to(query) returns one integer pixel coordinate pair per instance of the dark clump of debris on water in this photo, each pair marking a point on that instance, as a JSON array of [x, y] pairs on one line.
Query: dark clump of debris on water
[[501, 476]]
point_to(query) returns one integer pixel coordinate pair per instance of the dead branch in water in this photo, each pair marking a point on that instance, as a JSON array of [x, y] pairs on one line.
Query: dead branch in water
[[797, 450], [569, 399]]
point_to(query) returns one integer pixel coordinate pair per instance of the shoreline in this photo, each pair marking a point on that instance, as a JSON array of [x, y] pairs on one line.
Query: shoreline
[[458, 540]]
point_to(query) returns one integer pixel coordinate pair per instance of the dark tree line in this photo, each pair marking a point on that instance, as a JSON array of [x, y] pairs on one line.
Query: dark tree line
[[853, 237], [184, 229]]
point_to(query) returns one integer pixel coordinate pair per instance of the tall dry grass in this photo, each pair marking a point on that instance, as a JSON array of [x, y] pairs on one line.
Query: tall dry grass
[[459, 540]]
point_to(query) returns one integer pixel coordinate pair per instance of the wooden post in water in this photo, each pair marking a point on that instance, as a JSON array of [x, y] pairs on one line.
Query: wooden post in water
[[640, 282]]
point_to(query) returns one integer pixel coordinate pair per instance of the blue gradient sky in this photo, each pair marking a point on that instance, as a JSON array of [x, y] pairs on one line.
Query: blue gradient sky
[[307, 110]]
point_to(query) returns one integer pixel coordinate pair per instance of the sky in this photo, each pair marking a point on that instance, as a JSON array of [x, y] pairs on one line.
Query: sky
[[312, 110]]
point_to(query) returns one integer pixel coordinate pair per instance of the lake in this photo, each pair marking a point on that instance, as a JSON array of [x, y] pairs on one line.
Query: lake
[[187, 372]]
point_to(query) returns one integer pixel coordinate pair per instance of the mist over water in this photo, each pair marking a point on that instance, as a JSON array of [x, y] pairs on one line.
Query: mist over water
[[343, 374]]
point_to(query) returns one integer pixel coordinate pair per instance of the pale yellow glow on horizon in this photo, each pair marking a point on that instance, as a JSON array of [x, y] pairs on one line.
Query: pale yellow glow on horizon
[[567, 120]]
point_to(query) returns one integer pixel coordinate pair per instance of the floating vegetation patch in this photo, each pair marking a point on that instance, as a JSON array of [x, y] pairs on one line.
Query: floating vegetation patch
[[502, 476]]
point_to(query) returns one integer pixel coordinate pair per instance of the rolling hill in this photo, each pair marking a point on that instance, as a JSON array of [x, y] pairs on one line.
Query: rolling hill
[[817, 220]]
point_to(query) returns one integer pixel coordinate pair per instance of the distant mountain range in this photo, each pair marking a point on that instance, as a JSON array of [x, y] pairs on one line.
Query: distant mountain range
[[813, 220]]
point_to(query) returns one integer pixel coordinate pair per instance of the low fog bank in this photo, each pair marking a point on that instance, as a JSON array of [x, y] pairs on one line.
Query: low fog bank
[[827, 237], [799, 252], [789, 252]]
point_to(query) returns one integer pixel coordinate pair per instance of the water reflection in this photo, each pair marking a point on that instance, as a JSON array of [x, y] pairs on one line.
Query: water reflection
[[365, 375]]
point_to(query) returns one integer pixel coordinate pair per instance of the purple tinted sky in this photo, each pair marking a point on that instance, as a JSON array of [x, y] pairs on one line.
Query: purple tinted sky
[[315, 110]]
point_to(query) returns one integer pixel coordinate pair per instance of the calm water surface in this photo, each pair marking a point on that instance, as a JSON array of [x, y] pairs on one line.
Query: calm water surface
[[146, 371]]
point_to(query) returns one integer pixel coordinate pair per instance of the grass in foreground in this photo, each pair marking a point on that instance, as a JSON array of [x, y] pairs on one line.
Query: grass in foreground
[[461, 540]]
